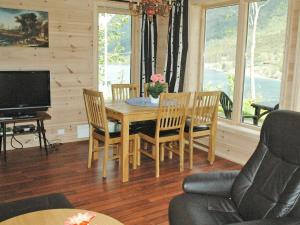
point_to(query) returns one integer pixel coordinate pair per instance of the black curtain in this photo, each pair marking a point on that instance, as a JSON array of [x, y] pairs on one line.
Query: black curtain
[[148, 50], [177, 46]]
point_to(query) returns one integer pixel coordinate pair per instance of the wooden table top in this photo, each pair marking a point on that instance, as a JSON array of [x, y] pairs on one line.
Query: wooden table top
[[57, 217], [135, 113], [129, 109]]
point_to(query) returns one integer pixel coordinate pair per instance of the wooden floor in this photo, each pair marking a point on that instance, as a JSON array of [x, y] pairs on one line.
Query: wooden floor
[[144, 200]]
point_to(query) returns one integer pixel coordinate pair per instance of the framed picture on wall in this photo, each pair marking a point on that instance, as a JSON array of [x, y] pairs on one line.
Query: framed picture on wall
[[24, 28]]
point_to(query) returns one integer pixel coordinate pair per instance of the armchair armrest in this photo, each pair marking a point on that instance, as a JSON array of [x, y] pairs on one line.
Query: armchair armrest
[[216, 183], [277, 221]]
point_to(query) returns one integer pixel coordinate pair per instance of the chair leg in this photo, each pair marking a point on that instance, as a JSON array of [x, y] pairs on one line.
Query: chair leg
[[191, 150], [212, 148], [153, 151], [170, 153], [91, 147], [115, 150], [181, 155], [0, 144], [130, 152], [162, 152], [157, 160], [105, 159], [95, 149], [135, 150], [146, 145], [138, 149]]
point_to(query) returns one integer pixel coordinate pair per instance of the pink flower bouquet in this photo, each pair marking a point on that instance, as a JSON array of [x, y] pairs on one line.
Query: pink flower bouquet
[[157, 78], [80, 219], [157, 85]]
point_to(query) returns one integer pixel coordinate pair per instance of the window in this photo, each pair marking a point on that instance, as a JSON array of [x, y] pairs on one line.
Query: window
[[114, 50], [250, 78], [264, 57], [220, 50]]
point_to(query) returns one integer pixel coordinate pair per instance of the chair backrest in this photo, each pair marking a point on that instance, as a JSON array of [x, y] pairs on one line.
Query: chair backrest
[[123, 92], [95, 109], [146, 93], [269, 184], [172, 111], [205, 108], [226, 104]]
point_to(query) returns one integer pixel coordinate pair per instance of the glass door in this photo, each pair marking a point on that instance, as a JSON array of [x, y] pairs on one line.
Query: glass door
[[114, 51]]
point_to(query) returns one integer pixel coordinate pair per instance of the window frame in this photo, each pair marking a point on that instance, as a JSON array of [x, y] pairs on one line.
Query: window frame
[[242, 30]]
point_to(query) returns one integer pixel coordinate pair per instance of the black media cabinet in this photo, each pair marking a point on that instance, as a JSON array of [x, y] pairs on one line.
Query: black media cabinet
[[40, 129]]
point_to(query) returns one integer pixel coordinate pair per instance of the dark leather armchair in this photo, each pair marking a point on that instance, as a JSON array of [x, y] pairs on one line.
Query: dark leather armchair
[[265, 192]]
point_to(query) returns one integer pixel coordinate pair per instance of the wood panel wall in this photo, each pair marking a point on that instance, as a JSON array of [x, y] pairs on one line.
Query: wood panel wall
[[69, 59], [289, 88]]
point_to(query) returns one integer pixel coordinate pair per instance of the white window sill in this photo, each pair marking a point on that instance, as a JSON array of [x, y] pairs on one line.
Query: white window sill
[[241, 129]]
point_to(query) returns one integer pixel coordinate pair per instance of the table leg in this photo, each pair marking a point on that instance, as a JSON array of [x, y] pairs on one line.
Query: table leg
[[44, 136], [4, 140], [39, 133], [125, 149], [1, 138]]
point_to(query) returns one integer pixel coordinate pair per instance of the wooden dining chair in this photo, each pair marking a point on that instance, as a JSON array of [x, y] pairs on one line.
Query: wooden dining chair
[[203, 122], [169, 126], [101, 131], [123, 92], [146, 92]]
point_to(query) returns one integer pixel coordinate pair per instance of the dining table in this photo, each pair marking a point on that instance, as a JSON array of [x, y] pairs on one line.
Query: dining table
[[126, 113]]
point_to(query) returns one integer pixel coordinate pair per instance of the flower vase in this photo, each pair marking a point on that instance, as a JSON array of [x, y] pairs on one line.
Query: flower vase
[[154, 100]]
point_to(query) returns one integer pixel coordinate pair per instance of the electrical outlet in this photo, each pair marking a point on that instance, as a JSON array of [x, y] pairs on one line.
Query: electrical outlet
[[83, 131], [61, 131]]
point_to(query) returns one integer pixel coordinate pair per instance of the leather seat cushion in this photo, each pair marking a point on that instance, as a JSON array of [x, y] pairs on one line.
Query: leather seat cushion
[[138, 126], [115, 130], [196, 209], [196, 128], [150, 131]]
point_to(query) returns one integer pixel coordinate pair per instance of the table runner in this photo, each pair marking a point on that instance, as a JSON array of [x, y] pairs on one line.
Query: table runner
[[141, 102]]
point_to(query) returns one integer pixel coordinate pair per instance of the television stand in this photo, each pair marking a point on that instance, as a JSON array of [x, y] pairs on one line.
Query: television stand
[[25, 116], [39, 118], [20, 114]]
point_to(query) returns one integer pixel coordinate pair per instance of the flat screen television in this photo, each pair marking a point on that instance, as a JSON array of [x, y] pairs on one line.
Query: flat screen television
[[24, 92]]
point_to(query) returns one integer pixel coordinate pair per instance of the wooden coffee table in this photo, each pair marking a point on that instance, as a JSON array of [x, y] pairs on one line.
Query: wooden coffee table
[[57, 217]]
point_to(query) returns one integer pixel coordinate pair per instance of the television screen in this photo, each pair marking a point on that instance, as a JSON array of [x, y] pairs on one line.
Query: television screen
[[24, 90]]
